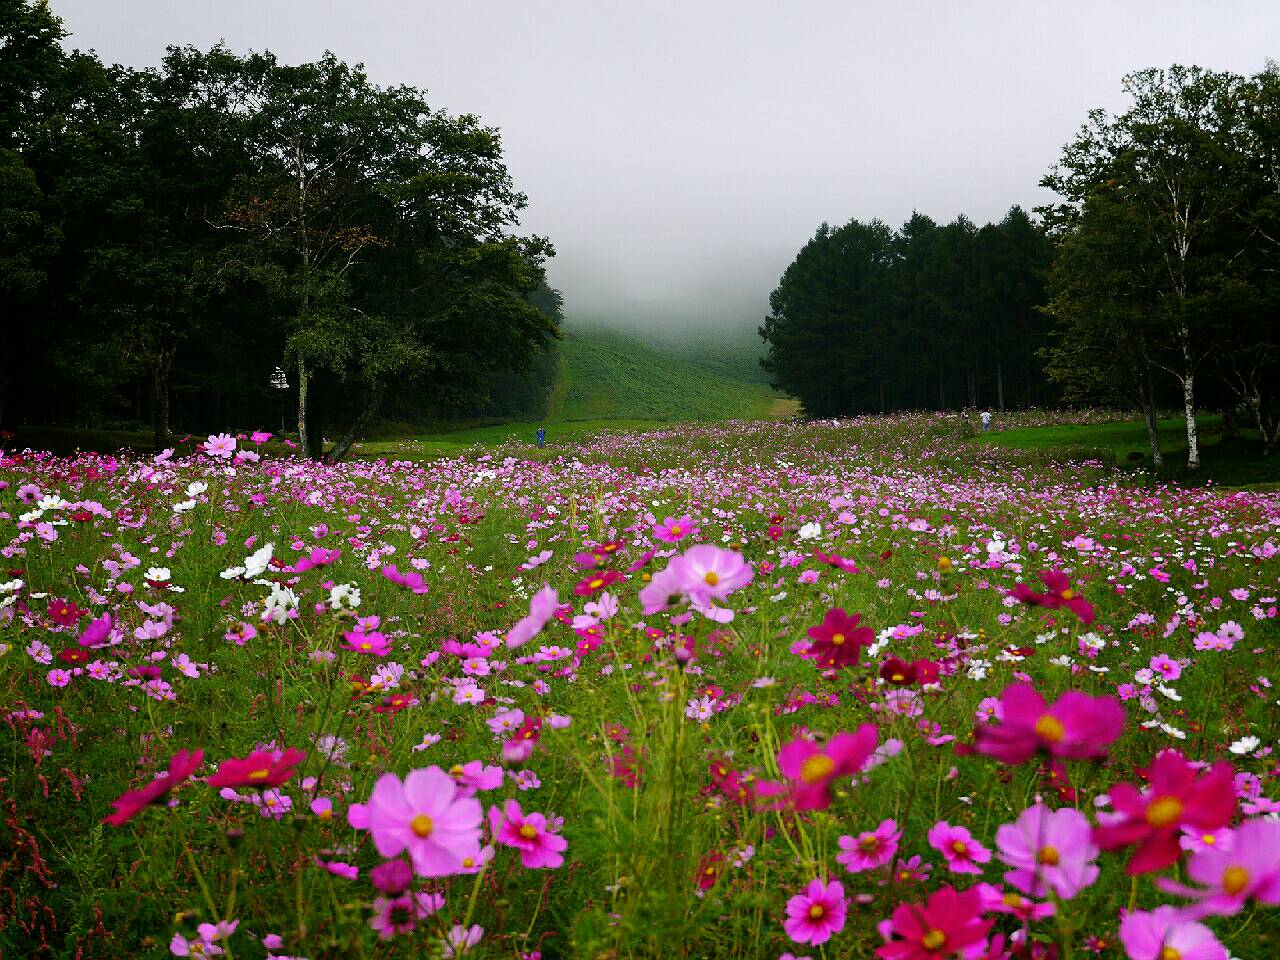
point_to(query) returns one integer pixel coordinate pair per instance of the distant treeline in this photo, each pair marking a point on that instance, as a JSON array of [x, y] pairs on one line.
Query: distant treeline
[[1154, 282], [926, 317], [171, 238]]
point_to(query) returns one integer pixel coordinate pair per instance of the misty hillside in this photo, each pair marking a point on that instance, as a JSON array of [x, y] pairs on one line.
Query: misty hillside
[[605, 373]]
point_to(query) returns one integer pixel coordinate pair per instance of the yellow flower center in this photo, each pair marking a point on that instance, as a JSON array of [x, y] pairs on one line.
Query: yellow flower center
[[944, 564], [837, 638], [1169, 953], [1048, 856], [1164, 812], [816, 912], [711, 578], [1068, 594], [422, 825], [1050, 729], [596, 584], [898, 678], [1234, 880], [959, 846], [468, 862], [325, 814], [528, 832], [1012, 900], [933, 940], [1208, 839], [256, 775], [676, 531], [366, 645], [869, 844], [817, 768], [455, 770]]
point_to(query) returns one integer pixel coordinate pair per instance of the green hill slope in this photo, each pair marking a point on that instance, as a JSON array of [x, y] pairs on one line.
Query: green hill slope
[[606, 374]]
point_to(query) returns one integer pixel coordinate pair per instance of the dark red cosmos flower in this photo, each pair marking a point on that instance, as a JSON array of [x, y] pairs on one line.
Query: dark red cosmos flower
[[838, 640], [144, 672], [262, 768], [902, 674], [1058, 593], [82, 516], [608, 547], [709, 870], [837, 561], [74, 655], [395, 702], [1153, 819], [64, 612], [597, 582], [129, 804]]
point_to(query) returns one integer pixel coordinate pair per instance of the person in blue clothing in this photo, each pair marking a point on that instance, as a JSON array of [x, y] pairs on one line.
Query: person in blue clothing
[[542, 437]]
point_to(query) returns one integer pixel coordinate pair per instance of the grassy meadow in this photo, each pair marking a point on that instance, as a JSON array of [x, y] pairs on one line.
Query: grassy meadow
[[589, 701]]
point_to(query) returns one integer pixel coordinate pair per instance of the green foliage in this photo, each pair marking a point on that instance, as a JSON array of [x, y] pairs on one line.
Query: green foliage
[[867, 319]]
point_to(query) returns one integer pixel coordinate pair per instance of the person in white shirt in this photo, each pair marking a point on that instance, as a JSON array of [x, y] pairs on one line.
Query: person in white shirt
[[986, 421]]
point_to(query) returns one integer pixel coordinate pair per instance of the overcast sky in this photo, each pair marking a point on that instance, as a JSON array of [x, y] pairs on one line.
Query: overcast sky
[[678, 154]]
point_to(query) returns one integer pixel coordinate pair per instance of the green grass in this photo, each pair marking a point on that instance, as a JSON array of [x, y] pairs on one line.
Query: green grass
[[605, 374], [1232, 462]]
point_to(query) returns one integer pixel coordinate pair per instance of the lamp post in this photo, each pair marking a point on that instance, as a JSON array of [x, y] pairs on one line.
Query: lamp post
[[280, 382]]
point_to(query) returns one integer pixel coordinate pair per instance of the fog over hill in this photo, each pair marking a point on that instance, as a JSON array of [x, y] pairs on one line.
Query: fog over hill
[[678, 155]]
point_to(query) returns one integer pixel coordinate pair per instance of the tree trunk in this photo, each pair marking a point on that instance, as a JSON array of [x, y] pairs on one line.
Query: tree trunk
[[1153, 431], [304, 391], [999, 386], [1189, 409], [1230, 421], [942, 390], [354, 432], [161, 367], [882, 396]]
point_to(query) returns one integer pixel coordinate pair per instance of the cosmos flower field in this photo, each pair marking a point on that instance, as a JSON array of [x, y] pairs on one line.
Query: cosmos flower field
[[855, 689]]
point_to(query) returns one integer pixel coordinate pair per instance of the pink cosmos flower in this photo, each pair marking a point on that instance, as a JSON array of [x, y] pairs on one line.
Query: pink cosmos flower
[[1249, 868], [1152, 819], [260, 437], [411, 579], [1164, 933], [1048, 849], [711, 573], [673, 531], [597, 582], [1076, 727], [221, 445], [542, 608], [817, 914], [474, 776], [810, 768], [530, 833], [871, 849], [460, 940], [425, 816], [948, 923], [957, 846], [1058, 593]]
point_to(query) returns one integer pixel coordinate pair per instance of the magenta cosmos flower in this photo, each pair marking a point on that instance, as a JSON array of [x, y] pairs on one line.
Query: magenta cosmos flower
[[373, 644], [1249, 869], [838, 640], [1058, 594], [1048, 849], [957, 846], [129, 804], [1153, 819], [817, 914], [529, 833], [425, 816], [1076, 727], [810, 768], [261, 769], [946, 924], [870, 849], [410, 579], [1164, 934]]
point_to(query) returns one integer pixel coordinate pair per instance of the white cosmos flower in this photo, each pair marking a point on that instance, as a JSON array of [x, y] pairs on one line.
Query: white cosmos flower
[[1245, 745], [157, 574], [258, 561], [196, 488]]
